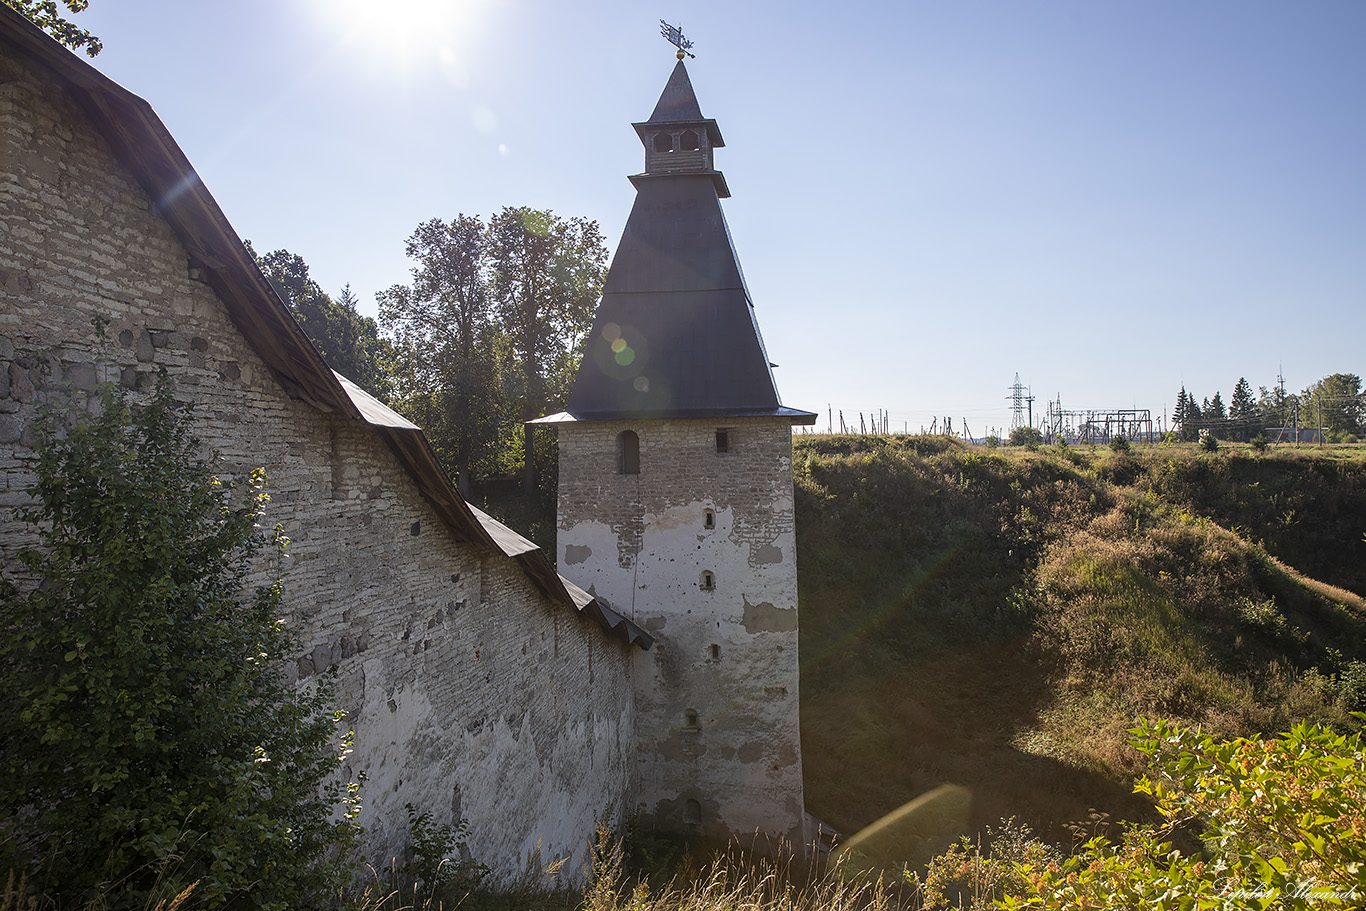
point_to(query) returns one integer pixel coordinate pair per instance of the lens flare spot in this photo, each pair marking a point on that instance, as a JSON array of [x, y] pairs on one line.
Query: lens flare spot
[[618, 345], [626, 355], [642, 383], [611, 332], [485, 121]]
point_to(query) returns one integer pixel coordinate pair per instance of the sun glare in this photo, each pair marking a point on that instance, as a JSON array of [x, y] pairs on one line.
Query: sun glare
[[408, 33]]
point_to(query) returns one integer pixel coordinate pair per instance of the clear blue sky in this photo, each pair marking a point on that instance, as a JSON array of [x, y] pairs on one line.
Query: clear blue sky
[[1109, 198]]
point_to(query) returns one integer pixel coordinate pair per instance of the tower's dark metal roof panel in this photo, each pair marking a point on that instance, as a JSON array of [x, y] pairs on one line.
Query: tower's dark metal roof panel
[[678, 105], [697, 352], [676, 239], [678, 101]]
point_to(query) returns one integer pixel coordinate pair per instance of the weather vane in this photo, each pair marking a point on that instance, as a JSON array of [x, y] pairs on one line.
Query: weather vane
[[675, 37]]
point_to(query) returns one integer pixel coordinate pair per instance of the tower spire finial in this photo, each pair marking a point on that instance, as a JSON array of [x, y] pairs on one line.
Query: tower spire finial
[[675, 37]]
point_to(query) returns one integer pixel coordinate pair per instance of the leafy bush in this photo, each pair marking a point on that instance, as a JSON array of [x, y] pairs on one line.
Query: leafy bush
[[993, 441], [440, 857], [1259, 442], [1119, 444], [1029, 437], [150, 740], [974, 875], [1282, 820], [1209, 442]]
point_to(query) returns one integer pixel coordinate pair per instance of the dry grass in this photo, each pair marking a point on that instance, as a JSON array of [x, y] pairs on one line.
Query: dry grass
[[16, 897], [736, 880]]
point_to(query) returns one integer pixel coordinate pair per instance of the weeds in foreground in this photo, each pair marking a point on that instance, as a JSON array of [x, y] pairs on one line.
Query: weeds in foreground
[[736, 880], [16, 897]]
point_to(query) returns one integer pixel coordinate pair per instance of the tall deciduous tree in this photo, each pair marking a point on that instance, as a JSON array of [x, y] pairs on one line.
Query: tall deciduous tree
[[349, 342], [46, 16], [148, 736], [548, 274], [444, 342], [1334, 403]]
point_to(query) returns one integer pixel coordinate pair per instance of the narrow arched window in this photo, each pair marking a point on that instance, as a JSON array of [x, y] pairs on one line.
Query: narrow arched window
[[628, 452], [688, 142], [692, 812], [708, 581], [664, 142]]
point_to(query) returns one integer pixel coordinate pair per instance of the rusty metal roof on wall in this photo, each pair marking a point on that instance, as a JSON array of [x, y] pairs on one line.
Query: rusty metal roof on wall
[[139, 139], [675, 334]]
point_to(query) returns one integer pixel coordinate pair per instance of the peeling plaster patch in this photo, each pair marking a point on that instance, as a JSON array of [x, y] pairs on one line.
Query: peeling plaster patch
[[577, 553], [766, 554], [655, 624], [751, 752], [765, 618], [676, 517], [681, 746]]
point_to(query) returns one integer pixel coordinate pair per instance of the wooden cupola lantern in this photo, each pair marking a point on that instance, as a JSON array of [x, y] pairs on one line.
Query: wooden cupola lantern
[[677, 138]]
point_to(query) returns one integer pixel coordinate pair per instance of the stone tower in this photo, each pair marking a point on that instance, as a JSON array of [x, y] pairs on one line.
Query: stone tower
[[675, 499]]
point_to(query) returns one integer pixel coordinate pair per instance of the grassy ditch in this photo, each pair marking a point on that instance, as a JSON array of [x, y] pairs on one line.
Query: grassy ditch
[[998, 619]]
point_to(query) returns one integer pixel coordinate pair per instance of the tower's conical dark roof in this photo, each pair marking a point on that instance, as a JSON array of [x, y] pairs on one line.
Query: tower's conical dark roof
[[678, 101], [675, 334]]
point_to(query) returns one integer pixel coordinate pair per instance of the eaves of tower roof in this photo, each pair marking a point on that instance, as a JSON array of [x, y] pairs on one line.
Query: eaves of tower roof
[[141, 142]]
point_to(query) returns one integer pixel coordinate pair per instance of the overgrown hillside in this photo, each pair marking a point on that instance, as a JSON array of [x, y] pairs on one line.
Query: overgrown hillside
[[999, 619]]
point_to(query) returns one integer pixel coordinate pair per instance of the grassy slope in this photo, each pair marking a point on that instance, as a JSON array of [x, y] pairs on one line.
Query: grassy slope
[[998, 619]]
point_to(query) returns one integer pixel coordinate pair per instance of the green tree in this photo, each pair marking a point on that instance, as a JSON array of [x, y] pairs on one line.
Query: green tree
[[1025, 436], [45, 14], [1275, 407], [444, 341], [1242, 409], [548, 275], [1214, 409], [1186, 417], [1335, 404], [349, 342], [1283, 821], [149, 739]]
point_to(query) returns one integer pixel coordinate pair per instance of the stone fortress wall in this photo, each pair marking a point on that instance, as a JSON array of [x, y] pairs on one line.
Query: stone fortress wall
[[472, 693]]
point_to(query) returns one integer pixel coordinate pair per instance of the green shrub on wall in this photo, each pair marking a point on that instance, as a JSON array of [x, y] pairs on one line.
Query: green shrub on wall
[[149, 739]]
